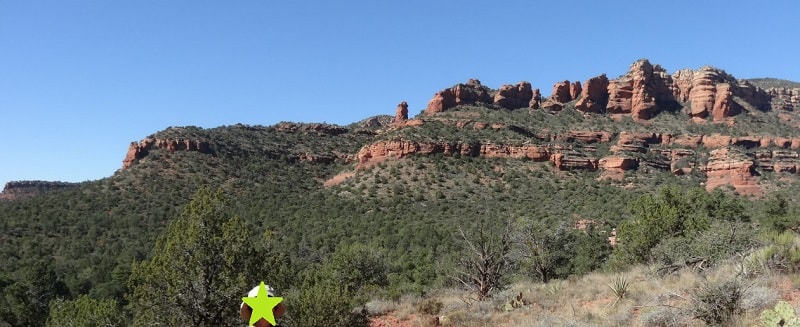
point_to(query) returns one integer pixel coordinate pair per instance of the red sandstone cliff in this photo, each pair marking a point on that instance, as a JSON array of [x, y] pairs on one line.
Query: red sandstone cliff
[[732, 161], [642, 92], [470, 93], [138, 150]]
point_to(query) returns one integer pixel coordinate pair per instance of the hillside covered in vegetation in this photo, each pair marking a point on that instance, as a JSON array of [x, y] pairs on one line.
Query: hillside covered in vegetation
[[649, 168]]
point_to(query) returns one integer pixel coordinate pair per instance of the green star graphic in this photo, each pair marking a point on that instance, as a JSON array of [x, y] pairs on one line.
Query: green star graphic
[[262, 305]]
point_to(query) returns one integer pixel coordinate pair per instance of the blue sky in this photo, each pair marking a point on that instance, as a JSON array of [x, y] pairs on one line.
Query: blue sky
[[80, 80]]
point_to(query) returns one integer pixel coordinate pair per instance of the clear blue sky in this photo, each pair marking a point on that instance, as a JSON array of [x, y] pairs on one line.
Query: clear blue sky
[[80, 80]]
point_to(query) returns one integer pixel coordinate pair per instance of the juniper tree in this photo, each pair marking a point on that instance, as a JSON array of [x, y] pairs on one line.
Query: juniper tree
[[200, 268]]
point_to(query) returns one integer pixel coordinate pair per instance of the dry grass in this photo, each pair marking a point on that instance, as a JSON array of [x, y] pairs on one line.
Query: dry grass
[[650, 300]]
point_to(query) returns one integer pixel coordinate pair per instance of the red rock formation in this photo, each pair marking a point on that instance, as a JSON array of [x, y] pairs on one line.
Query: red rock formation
[[748, 142], [619, 97], [594, 97], [401, 113], [138, 150], [615, 166], [679, 161], [561, 92], [722, 103], [703, 93], [536, 100], [135, 152], [682, 84], [514, 96], [640, 91], [383, 150], [728, 167], [552, 105], [716, 141], [689, 140], [619, 162], [574, 90], [586, 137], [380, 151], [461, 94], [784, 98], [753, 95], [573, 160], [782, 142], [635, 142]]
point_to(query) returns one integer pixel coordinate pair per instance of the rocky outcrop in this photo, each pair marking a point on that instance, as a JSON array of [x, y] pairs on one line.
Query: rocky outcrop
[[727, 166], [552, 105], [711, 91], [536, 100], [784, 98], [732, 161], [586, 137], [401, 113], [682, 84], [702, 93], [777, 160], [26, 189], [641, 92], [461, 94], [561, 92], [380, 151], [594, 97], [574, 90], [573, 160], [138, 150], [514, 96], [614, 166], [635, 142], [563, 159], [755, 96], [723, 103]]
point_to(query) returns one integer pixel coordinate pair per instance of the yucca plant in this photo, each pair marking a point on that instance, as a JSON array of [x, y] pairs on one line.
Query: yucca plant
[[621, 287]]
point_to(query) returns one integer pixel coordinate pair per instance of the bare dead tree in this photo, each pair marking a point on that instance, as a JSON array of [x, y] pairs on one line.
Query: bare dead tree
[[486, 260]]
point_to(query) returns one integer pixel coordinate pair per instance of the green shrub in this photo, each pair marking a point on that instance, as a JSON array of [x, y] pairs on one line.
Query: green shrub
[[324, 304], [85, 312], [782, 255], [716, 303], [430, 307]]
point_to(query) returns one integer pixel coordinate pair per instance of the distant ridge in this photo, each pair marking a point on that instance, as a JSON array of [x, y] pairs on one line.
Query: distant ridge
[[766, 83], [22, 189]]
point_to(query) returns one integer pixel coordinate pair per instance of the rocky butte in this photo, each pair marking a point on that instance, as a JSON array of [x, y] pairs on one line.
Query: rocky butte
[[706, 95]]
